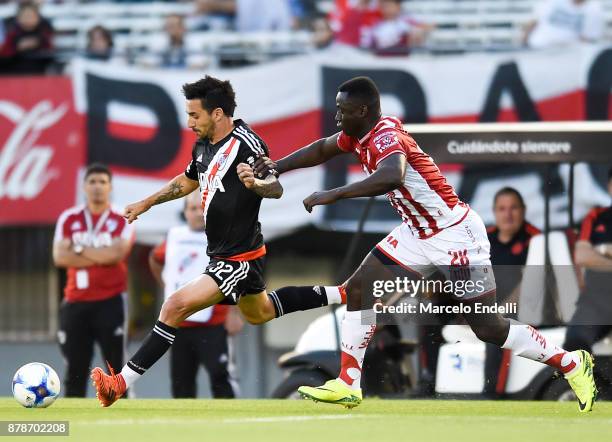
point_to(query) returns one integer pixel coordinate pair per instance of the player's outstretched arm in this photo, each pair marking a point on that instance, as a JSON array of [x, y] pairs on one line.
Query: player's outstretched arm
[[388, 176], [314, 154], [268, 187], [178, 187]]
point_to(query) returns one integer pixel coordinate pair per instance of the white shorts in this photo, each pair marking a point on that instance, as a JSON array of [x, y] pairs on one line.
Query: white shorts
[[460, 252]]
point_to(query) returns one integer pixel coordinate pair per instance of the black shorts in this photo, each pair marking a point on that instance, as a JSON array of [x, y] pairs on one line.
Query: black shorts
[[237, 278]]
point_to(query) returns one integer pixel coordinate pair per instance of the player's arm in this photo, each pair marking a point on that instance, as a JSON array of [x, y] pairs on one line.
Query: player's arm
[[388, 176], [314, 154], [268, 187], [178, 187], [108, 255], [64, 256], [587, 256]]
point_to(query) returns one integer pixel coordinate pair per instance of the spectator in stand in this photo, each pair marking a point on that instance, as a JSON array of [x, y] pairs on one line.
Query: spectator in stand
[[263, 15], [99, 44], [170, 50], [27, 41], [322, 33], [352, 21], [174, 54], [397, 32], [303, 12], [563, 22], [212, 15]]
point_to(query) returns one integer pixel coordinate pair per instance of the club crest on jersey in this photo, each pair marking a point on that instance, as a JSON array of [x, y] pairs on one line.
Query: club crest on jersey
[[111, 225], [211, 182], [221, 161], [385, 141]]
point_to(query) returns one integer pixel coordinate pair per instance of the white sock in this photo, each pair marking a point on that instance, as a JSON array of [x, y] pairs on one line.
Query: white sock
[[129, 375], [357, 330], [527, 342], [334, 296]]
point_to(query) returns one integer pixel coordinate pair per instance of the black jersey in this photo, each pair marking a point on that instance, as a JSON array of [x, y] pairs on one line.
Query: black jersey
[[510, 257], [597, 229], [231, 210]]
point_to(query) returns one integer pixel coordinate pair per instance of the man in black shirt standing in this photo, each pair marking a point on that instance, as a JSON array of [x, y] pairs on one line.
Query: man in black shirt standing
[[221, 163], [509, 239], [592, 319]]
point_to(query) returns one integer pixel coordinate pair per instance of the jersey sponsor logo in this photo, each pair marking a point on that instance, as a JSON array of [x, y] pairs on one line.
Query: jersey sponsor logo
[[392, 242], [103, 239], [211, 182], [385, 141]]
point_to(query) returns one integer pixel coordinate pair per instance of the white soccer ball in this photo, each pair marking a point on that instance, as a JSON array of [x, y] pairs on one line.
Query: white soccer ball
[[36, 385]]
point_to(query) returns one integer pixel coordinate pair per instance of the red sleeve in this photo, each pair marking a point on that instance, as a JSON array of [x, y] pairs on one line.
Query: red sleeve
[[159, 253], [344, 143], [386, 143], [587, 225], [531, 230]]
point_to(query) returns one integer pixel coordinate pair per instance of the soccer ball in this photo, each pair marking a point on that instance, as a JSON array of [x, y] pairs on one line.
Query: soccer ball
[[36, 385]]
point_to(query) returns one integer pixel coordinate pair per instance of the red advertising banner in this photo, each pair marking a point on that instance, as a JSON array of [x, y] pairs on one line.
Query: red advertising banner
[[42, 147]]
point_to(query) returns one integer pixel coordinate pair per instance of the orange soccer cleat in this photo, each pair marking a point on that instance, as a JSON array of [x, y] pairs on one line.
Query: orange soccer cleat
[[109, 388]]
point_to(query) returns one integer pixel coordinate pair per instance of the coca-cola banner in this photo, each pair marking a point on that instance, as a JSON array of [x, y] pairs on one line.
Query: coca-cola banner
[[41, 149]]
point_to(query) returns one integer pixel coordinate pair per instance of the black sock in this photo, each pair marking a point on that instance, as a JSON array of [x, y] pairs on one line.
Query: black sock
[[154, 347], [292, 299]]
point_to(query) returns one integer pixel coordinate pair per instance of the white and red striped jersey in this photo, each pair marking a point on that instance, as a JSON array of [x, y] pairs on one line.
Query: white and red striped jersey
[[425, 201], [81, 227]]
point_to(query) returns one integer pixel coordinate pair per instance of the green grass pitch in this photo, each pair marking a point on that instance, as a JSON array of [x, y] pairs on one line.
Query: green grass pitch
[[292, 421]]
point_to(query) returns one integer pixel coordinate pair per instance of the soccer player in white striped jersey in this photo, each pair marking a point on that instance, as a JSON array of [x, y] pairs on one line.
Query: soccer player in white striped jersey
[[438, 232]]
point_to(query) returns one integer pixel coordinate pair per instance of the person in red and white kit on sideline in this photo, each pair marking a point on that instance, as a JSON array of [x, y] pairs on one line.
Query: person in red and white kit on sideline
[[92, 241], [438, 232], [202, 339], [397, 31]]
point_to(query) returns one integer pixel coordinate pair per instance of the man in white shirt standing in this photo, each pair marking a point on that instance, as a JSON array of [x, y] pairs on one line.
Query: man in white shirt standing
[[563, 22], [202, 339]]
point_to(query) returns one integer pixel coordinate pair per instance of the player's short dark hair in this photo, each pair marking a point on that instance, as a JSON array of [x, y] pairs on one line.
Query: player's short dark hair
[[363, 90], [509, 191], [213, 93], [98, 168]]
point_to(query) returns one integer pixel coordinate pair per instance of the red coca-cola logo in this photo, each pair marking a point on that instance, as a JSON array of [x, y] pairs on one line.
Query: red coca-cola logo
[[41, 149]]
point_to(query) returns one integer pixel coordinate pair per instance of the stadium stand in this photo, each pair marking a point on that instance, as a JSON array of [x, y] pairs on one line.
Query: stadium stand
[[461, 25]]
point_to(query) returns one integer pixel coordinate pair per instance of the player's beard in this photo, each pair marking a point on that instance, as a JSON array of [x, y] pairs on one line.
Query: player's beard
[[210, 131]]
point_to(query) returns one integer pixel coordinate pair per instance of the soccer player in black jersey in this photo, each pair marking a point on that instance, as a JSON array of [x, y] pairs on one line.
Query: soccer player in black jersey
[[221, 164]]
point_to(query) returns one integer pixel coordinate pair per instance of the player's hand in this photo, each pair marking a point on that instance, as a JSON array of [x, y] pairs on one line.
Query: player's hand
[[132, 211], [264, 166], [246, 175], [320, 199]]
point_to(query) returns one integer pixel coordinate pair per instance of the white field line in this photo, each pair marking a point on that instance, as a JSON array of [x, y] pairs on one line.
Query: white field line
[[279, 419], [244, 420]]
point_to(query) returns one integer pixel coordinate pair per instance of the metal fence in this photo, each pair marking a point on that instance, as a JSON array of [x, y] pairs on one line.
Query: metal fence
[[29, 286]]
